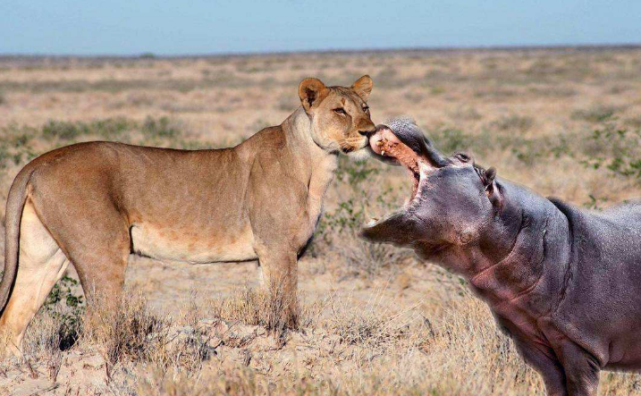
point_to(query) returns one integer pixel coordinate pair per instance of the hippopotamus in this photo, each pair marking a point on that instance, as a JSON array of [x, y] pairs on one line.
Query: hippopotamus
[[564, 283]]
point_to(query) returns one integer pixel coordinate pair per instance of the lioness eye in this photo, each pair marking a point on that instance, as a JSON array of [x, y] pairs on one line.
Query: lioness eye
[[365, 108], [340, 110]]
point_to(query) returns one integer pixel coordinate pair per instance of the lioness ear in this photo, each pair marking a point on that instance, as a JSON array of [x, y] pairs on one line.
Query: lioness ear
[[310, 91], [492, 190], [363, 87]]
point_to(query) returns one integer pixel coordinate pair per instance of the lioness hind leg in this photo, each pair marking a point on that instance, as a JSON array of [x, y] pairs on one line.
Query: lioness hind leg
[[94, 235], [101, 268], [41, 265]]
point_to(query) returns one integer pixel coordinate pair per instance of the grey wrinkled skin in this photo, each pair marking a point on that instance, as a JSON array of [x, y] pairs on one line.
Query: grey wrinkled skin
[[564, 283], [408, 132]]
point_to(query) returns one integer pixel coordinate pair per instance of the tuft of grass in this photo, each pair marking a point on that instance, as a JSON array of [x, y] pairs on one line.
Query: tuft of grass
[[248, 307], [595, 114], [513, 122], [466, 113], [256, 308], [450, 140], [633, 122], [370, 329], [128, 333]]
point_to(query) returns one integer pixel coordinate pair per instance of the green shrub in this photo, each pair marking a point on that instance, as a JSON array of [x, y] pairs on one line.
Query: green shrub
[[360, 194], [161, 127], [111, 128], [64, 130], [615, 149]]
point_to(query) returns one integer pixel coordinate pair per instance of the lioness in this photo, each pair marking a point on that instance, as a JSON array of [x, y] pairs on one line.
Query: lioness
[[94, 203]]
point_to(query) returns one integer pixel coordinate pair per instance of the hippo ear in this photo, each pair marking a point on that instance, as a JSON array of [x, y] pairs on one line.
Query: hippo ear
[[492, 189]]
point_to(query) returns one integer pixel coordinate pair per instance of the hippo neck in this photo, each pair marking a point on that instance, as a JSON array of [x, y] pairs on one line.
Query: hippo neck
[[538, 255]]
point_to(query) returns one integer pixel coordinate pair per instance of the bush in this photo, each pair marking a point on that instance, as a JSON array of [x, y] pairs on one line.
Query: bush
[[65, 304], [161, 127], [615, 149], [108, 128], [338, 230], [64, 130]]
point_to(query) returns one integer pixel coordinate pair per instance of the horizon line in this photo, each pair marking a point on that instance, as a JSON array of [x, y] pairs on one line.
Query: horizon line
[[345, 51]]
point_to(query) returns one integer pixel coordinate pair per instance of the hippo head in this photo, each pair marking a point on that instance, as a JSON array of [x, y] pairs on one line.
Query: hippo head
[[452, 202]]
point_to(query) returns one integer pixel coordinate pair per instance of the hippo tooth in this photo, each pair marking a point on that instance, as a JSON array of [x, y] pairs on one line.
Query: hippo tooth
[[382, 152], [372, 222]]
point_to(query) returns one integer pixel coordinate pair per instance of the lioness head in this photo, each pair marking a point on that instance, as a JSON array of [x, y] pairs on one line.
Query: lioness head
[[340, 115]]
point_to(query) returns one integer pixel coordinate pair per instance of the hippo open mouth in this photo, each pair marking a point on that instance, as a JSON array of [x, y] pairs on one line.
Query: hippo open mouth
[[401, 142], [386, 144]]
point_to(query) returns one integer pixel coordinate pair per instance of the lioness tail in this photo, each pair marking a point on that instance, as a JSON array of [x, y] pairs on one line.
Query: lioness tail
[[13, 216]]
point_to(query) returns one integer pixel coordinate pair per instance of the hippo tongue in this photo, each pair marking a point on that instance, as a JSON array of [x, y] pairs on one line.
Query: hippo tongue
[[385, 143], [406, 132]]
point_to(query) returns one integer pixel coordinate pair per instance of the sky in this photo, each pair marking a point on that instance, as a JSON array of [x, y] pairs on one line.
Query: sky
[[172, 27]]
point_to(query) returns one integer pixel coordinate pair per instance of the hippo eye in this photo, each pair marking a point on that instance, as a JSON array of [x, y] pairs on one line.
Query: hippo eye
[[340, 110], [462, 157]]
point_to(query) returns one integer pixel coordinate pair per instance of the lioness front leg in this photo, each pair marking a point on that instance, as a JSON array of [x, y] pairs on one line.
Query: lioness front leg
[[279, 280]]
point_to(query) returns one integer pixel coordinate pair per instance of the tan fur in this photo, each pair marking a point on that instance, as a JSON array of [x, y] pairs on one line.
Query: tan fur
[[95, 203]]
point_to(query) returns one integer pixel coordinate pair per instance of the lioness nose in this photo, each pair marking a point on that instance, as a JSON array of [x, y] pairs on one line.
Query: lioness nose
[[368, 132]]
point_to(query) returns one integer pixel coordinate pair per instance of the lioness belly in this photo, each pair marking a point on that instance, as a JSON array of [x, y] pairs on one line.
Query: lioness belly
[[189, 246]]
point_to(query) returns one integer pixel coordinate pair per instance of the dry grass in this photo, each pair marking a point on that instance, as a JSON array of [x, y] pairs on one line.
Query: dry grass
[[374, 320], [451, 349]]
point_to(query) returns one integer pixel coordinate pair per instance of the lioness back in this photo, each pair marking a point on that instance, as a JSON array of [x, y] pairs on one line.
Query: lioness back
[[181, 205]]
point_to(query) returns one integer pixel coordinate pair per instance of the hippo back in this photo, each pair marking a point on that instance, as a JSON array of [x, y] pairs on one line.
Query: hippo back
[[603, 281]]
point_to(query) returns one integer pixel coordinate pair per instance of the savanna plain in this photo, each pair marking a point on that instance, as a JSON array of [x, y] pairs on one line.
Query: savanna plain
[[374, 319]]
